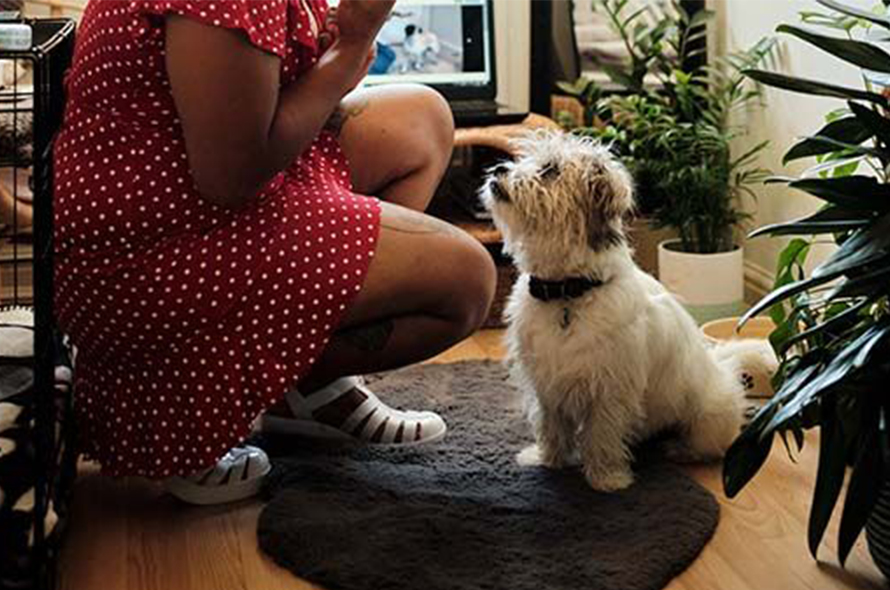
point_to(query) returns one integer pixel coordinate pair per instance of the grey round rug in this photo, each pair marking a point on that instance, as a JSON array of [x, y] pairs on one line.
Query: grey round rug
[[463, 515]]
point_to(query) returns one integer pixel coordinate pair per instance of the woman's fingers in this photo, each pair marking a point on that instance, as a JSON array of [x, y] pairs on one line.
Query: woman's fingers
[[360, 20]]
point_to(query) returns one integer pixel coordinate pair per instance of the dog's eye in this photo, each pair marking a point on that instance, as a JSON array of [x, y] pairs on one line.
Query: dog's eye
[[550, 171], [499, 192], [498, 169]]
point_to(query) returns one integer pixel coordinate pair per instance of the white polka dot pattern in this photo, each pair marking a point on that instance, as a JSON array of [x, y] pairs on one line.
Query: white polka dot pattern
[[190, 319]]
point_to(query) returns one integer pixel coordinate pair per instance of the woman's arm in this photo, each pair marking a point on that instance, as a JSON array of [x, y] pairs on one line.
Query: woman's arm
[[240, 127]]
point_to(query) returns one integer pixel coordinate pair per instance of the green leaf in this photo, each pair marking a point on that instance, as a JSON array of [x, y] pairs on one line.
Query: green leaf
[[838, 320], [780, 180], [812, 87], [747, 454], [784, 293], [746, 158], [830, 220], [763, 426], [876, 122], [863, 193], [700, 18], [785, 329], [838, 113], [777, 315], [862, 495], [841, 149], [795, 249], [859, 53], [872, 284], [849, 360], [846, 169], [856, 12], [850, 130], [619, 76], [830, 474], [864, 247]]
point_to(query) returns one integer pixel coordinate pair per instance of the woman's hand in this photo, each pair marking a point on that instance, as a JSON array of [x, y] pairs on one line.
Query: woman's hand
[[347, 51], [357, 22]]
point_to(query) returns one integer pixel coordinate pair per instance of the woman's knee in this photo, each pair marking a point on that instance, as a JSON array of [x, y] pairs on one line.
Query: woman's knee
[[430, 126], [424, 266], [471, 287]]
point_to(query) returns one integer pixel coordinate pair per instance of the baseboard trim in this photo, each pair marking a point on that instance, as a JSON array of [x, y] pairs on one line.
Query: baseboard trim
[[758, 281]]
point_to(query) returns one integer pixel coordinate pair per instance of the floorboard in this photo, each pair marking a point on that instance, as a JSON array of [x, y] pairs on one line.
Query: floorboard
[[127, 535]]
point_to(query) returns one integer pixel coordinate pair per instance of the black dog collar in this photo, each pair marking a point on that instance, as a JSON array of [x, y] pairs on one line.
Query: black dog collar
[[571, 288]]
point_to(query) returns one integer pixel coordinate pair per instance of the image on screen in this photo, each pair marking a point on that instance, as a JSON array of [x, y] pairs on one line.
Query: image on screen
[[433, 41]]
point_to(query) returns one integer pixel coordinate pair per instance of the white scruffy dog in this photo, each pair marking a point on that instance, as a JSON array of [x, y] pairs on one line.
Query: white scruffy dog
[[605, 355]]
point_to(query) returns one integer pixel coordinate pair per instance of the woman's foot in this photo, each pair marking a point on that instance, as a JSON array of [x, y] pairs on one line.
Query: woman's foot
[[347, 410], [237, 476]]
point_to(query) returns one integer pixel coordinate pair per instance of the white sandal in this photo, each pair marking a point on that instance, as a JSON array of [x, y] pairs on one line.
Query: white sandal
[[237, 476], [402, 428]]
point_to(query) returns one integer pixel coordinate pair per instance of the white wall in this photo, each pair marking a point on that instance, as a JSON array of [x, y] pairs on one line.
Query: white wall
[[513, 36], [786, 117]]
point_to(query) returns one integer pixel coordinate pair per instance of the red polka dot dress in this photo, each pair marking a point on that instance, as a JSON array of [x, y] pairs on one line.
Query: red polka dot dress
[[190, 319]]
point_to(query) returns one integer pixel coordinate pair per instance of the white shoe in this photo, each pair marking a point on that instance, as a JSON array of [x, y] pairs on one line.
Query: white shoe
[[237, 476], [403, 428]]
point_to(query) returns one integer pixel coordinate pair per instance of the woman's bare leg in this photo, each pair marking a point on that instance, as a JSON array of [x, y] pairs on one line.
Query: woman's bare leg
[[398, 140], [430, 284]]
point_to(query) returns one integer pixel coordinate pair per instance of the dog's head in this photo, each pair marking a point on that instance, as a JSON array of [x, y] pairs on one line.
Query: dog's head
[[562, 196]]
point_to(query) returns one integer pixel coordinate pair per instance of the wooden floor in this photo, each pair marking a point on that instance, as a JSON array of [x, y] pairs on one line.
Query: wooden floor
[[129, 536]]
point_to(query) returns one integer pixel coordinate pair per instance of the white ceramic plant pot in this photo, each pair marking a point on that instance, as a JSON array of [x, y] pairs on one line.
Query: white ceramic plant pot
[[710, 286]]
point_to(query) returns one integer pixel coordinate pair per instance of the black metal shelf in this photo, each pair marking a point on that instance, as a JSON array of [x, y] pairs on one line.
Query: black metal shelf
[[42, 101]]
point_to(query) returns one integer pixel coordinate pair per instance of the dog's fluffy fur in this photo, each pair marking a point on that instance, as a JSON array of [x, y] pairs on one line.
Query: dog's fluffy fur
[[621, 363]]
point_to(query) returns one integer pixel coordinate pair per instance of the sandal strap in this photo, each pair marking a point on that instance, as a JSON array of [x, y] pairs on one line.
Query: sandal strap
[[370, 405], [303, 406], [379, 413], [391, 430], [371, 414], [234, 467]]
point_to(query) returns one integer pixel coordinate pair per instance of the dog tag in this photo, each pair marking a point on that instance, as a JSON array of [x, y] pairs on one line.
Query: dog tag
[[566, 318]]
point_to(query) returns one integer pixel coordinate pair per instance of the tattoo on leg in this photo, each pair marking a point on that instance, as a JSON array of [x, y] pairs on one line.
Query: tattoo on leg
[[370, 338], [409, 222], [347, 110]]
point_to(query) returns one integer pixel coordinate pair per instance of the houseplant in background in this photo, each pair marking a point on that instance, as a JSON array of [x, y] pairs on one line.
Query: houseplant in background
[[834, 323], [670, 121]]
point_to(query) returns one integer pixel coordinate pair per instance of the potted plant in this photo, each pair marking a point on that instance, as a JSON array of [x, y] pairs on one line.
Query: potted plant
[[702, 184], [670, 122], [833, 334]]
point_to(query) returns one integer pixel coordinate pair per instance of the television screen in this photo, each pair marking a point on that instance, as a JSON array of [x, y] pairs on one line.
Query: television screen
[[434, 42]]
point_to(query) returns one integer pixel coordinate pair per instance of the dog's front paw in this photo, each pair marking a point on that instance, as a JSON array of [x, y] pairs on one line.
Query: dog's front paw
[[530, 457], [554, 459], [535, 456], [609, 481]]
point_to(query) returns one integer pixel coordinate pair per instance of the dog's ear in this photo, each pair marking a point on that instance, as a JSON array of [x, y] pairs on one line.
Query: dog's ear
[[603, 232], [610, 200]]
